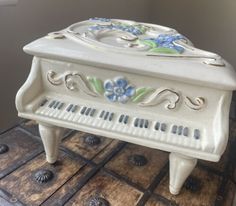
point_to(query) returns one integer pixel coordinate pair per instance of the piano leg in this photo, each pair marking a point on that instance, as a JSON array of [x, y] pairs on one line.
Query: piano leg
[[51, 137], [180, 168]]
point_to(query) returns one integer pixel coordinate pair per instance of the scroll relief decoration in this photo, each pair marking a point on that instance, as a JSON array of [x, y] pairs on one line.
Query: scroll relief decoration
[[120, 91]]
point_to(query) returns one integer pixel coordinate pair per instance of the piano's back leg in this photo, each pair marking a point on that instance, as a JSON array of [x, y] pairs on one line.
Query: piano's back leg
[[51, 137], [181, 167]]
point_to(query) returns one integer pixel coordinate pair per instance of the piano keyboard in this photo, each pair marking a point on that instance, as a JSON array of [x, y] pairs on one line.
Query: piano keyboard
[[123, 123]]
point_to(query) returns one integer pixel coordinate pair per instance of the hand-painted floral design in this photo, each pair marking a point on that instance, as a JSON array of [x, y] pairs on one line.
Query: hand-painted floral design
[[100, 19], [168, 41], [118, 90], [133, 29]]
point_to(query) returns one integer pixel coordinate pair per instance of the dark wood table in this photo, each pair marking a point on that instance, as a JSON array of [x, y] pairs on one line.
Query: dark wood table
[[96, 171]]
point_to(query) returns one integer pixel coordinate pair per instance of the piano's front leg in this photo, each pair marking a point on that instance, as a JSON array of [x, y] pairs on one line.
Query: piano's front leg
[[51, 137], [181, 167]]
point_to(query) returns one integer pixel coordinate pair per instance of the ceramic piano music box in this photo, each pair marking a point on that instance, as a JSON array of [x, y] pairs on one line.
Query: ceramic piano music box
[[137, 82]]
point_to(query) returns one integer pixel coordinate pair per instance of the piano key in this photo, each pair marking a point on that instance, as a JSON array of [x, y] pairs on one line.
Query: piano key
[[69, 107], [146, 124], [111, 116], [136, 122], [87, 111], [51, 104], [106, 115], [101, 114], [197, 134], [43, 102], [126, 119], [157, 126], [174, 129], [56, 104], [74, 108], [121, 118], [49, 109], [83, 110], [60, 106], [163, 127], [141, 123], [92, 112], [42, 106], [185, 132], [180, 130]]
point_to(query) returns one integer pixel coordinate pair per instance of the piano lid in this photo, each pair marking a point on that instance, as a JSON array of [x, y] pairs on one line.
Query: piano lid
[[138, 47]]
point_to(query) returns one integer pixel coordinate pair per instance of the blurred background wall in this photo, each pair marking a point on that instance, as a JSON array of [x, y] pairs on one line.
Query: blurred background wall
[[210, 24]]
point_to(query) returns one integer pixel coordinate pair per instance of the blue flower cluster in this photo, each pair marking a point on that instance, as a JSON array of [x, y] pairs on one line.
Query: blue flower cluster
[[168, 41], [100, 19], [118, 90], [127, 28]]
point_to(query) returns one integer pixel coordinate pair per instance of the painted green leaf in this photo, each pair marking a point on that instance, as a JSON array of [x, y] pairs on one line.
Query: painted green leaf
[[96, 84], [149, 43], [164, 50], [141, 93]]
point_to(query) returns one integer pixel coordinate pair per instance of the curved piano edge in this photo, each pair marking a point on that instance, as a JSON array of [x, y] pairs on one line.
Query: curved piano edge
[[198, 154], [222, 121], [30, 88]]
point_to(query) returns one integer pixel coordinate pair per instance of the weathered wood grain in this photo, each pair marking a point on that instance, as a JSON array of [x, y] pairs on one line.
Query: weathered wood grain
[[19, 150], [154, 202], [116, 192], [61, 196], [106, 151], [22, 185], [76, 143], [203, 192], [141, 175]]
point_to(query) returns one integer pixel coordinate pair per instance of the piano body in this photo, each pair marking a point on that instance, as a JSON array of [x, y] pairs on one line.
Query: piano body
[[136, 82]]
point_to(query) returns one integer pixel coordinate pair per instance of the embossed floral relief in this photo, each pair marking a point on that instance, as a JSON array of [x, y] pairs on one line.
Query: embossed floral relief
[[119, 90]]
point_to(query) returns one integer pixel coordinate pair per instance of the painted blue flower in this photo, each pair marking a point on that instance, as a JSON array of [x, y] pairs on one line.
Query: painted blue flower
[[118, 90], [100, 19], [168, 41]]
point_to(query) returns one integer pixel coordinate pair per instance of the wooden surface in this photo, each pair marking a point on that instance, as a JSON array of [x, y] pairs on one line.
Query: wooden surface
[[84, 172]]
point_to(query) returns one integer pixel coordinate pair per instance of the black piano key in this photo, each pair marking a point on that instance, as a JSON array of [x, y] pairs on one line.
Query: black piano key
[[180, 130], [157, 126], [102, 113], [52, 103], [197, 134], [136, 122], [185, 132], [174, 129], [56, 105], [126, 119], [60, 105], [69, 107], [106, 115], [74, 108], [88, 111], [146, 124], [43, 102], [141, 123], [121, 118], [92, 112], [83, 110], [111, 116], [163, 127]]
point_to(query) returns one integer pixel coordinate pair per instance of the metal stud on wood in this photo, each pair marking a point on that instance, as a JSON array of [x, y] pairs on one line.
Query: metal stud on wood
[[43, 176], [138, 160], [92, 140], [97, 201], [3, 148]]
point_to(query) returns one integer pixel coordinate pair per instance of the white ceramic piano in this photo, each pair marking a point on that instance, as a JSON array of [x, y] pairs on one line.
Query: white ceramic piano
[[136, 82]]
